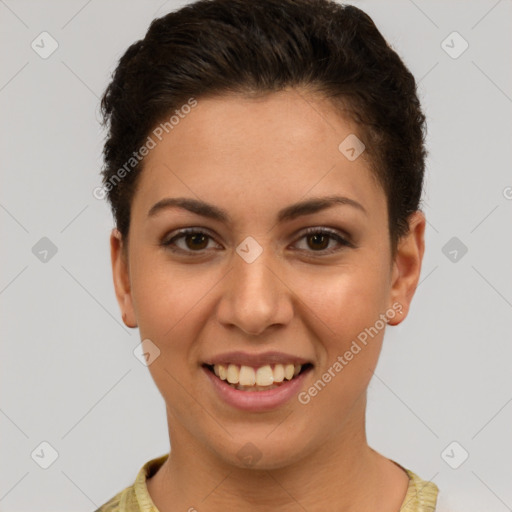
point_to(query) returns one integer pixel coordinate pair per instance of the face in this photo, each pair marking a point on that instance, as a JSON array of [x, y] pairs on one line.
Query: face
[[268, 275]]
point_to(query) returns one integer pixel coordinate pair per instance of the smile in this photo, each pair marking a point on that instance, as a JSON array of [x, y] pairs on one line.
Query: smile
[[281, 382], [262, 378]]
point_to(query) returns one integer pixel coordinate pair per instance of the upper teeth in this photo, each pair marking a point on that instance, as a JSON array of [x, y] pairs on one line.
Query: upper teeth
[[261, 376]]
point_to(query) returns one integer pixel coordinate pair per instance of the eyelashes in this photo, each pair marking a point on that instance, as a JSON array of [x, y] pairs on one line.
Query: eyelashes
[[317, 234], [187, 233], [196, 241]]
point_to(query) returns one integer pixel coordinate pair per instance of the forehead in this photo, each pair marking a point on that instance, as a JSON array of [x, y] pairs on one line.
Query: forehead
[[275, 148]]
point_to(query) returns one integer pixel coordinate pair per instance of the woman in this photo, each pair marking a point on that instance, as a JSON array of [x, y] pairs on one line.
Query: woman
[[264, 165]]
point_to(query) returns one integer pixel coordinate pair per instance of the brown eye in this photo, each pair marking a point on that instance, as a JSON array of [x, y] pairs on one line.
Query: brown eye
[[318, 241], [196, 240], [188, 241]]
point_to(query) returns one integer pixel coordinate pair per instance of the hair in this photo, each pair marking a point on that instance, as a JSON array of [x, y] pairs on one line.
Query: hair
[[221, 47]]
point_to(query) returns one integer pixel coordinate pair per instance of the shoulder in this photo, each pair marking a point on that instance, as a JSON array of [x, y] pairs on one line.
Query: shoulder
[[124, 501], [114, 504], [135, 498], [421, 494]]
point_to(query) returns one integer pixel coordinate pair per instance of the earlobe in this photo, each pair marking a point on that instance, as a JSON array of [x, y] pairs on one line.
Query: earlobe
[[407, 267], [121, 277]]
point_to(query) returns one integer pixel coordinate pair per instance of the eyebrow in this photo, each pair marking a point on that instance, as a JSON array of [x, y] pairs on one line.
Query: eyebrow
[[289, 213]]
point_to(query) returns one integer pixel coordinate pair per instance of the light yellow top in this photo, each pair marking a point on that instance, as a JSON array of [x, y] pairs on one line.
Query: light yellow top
[[421, 495]]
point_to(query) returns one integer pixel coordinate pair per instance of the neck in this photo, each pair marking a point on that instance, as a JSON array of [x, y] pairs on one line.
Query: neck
[[343, 474]]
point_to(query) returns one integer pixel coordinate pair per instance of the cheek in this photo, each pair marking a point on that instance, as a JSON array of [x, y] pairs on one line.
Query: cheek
[[166, 295], [346, 307], [168, 305], [172, 306], [346, 299], [164, 306]]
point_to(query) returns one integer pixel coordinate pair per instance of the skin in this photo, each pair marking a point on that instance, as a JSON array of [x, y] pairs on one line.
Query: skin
[[253, 157]]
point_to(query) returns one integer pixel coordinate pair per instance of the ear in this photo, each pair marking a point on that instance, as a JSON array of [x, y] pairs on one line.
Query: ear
[[121, 275], [407, 266]]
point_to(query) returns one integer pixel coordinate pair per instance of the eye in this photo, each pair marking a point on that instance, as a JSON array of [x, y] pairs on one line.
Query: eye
[[194, 240], [318, 240]]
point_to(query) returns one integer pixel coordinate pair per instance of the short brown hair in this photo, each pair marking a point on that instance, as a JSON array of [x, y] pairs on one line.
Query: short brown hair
[[216, 47]]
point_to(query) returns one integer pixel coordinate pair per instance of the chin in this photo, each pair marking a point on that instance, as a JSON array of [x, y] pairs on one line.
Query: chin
[[262, 452]]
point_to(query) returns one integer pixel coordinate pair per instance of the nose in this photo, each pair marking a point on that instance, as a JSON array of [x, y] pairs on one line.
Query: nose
[[255, 296]]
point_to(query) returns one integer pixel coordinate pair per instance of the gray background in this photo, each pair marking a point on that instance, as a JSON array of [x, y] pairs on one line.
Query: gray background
[[68, 374]]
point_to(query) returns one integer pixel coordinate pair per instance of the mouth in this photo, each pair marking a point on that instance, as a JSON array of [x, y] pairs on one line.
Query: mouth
[[261, 378]]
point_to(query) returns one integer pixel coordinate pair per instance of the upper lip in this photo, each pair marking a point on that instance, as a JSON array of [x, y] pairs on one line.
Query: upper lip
[[260, 359]]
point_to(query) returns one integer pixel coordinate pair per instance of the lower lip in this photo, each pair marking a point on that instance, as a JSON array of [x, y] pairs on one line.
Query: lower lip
[[257, 401]]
